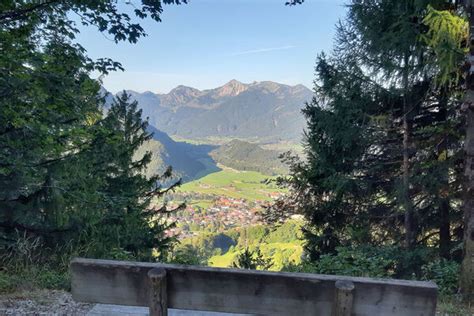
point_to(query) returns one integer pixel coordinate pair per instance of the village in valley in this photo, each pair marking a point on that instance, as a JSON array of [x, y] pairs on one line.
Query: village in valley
[[222, 214]]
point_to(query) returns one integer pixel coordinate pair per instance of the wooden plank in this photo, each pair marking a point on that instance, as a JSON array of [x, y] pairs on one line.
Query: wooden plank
[[158, 300], [244, 291]]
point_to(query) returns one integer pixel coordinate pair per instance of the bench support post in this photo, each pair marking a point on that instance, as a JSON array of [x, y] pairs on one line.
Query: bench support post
[[158, 298], [343, 298]]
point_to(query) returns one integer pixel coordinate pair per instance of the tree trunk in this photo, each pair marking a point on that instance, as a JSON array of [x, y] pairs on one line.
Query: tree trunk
[[467, 268], [444, 207], [409, 221], [444, 229], [410, 237]]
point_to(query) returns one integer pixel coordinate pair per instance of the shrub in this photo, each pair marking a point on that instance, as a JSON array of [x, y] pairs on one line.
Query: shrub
[[252, 260], [186, 254], [371, 261], [363, 261], [34, 276], [8, 282], [444, 273]]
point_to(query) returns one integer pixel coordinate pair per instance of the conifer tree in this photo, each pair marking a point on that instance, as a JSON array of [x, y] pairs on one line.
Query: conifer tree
[[56, 182], [382, 143], [128, 219], [467, 274]]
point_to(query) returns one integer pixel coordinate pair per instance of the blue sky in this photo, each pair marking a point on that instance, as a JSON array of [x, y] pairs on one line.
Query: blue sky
[[206, 43]]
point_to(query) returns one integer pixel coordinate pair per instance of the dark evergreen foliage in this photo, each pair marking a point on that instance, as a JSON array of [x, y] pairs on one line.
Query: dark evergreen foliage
[[68, 176], [252, 260], [383, 140]]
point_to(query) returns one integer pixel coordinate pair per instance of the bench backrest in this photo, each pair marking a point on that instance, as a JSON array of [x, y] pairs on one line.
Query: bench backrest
[[252, 292]]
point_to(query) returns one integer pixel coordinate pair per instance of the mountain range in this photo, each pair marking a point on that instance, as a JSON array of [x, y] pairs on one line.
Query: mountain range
[[265, 112], [248, 114]]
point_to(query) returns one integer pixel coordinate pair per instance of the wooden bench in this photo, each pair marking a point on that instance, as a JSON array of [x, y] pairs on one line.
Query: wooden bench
[[163, 286]]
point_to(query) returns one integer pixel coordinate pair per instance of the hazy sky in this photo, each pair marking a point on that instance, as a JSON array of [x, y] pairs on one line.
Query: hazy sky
[[206, 43]]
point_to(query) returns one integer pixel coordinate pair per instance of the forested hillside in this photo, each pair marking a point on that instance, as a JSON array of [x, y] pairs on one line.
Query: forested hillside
[[189, 161], [241, 155], [194, 161]]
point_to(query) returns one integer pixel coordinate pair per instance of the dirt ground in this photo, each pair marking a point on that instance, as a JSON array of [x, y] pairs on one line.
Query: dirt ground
[[41, 302]]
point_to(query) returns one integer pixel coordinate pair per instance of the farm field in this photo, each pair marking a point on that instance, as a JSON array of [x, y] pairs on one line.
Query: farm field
[[249, 185]]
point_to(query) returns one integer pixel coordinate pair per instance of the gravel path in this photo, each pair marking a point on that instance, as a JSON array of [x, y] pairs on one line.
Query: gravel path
[[44, 302], [41, 302]]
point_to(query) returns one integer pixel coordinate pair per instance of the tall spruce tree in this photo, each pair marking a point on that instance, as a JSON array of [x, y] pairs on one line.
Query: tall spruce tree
[[467, 273], [128, 219], [450, 38], [382, 144]]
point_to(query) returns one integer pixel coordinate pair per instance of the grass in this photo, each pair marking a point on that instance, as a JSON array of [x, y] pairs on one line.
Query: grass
[[452, 306], [33, 277], [223, 261], [232, 183], [204, 204], [280, 253]]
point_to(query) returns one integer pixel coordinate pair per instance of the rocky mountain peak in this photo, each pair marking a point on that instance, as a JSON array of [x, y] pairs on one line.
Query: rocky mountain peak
[[181, 95], [232, 88]]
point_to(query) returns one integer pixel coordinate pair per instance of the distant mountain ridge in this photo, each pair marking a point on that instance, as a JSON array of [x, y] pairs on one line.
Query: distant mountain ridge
[[261, 111], [188, 161]]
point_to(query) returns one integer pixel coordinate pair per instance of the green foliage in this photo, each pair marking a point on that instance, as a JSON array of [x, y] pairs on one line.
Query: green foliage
[[252, 260], [241, 155], [68, 176], [51, 278], [447, 36], [383, 142], [444, 273], [186, 254], [290, 231], [43, 277], [453, 306], [253, 235], [27, 265], [280, 244], [128, 225], [362, 262], [108, 16], [387, 262]]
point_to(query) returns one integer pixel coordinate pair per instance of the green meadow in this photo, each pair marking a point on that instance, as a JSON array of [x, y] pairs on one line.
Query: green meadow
[[282, 254], [249, 185]]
